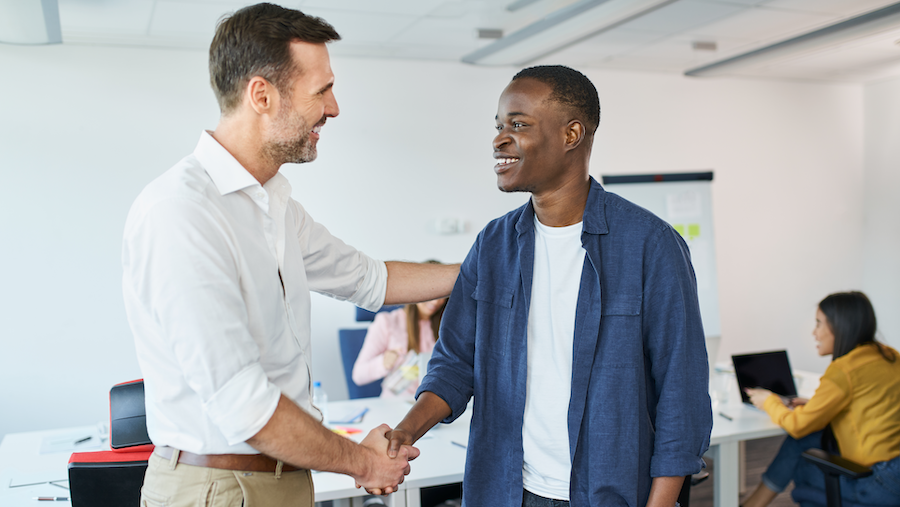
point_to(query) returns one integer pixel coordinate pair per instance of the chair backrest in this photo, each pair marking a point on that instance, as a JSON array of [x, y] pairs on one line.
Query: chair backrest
[[363, 315], [351, 341]]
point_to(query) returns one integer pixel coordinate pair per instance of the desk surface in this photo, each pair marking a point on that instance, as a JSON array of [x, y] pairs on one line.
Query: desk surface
[[26, 472], [442, 461]]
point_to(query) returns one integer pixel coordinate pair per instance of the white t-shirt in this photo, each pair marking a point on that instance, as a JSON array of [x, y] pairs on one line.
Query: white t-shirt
[[558, 262]]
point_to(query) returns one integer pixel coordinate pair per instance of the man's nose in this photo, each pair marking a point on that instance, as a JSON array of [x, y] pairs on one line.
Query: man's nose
[[331, 105], [500, 140]]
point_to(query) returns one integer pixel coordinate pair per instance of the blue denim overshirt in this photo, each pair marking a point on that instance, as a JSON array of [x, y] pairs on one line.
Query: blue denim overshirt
[[639, 405]]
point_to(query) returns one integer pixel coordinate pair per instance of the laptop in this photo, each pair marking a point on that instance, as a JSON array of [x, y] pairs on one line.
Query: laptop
[[769, 370]]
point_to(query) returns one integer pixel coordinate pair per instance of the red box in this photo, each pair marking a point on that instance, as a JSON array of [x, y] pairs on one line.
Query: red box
[[107, 478]]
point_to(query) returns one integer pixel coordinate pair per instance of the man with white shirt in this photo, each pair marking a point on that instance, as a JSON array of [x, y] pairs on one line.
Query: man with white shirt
[[219, 263], [574, 323]]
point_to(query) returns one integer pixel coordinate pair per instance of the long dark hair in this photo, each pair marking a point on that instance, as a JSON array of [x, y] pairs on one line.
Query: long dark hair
[[851, 319], [412, 320]]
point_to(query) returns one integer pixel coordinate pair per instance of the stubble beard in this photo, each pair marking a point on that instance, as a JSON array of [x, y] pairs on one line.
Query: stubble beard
[[287, 147]]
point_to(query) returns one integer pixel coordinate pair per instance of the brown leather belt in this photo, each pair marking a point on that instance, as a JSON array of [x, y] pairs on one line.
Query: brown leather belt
[[242, 462]]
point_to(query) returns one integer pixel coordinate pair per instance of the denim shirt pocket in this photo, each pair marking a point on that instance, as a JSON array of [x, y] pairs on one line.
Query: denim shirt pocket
[[621, 330], [494, 310], [621, 304]]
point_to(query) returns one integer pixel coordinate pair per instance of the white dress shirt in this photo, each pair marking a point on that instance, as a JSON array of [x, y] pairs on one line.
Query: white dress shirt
[[217, 275]]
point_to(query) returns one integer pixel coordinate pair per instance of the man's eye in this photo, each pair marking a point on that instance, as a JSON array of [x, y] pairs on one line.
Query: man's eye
[[518, 124], [498, 127]]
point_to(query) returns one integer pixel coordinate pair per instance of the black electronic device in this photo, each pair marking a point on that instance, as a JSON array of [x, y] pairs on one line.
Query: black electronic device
[[768, 370]]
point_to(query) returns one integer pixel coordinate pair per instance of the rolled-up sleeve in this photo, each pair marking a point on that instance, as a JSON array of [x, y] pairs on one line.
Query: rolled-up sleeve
[[451, 370], [196, 302], [673, 334], [335, 268], [831, 397]]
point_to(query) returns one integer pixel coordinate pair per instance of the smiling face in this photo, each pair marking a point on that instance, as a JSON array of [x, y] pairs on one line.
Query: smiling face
[[429, 308], [294, 132], [823, 334], [531, 138]]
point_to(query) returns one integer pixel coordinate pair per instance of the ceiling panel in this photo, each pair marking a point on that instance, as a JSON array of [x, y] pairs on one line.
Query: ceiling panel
[[363, 27], [835, 7], [190, 20], [764, 24], [683, 15], [457, 33], [122, 17], [616, 42], [444, 30], [402, 7], [680, 48]]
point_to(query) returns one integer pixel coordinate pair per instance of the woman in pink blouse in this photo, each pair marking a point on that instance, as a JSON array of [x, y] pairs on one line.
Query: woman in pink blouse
[[391, 336]]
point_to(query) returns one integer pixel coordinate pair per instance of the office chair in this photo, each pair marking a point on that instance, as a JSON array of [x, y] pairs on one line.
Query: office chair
[[351, 341], [833, 466]]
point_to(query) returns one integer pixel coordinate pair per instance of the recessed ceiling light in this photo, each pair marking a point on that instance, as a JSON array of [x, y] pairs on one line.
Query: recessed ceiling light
[[872, 23], [704, 45], [489, 33]]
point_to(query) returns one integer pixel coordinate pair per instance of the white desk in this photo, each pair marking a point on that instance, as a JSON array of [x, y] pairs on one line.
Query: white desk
[[747, 423], [441, 461]]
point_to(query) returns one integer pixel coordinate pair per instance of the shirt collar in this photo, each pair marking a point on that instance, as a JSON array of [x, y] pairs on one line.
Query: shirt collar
[[226, 172], [594, 218], [595, 210]]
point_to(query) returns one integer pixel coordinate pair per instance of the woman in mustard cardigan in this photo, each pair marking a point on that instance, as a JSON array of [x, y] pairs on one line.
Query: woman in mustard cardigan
[[859, 395]]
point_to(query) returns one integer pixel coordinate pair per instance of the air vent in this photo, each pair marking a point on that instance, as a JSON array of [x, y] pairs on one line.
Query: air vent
[[490, 33], [704, 46]]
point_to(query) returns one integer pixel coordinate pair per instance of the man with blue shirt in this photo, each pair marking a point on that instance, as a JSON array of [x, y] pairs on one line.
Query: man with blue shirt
[[574, 323]]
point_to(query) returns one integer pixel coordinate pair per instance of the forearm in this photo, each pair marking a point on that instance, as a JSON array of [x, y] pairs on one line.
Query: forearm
[[413, 283], [664, 491], [295, 437], [429, 410]]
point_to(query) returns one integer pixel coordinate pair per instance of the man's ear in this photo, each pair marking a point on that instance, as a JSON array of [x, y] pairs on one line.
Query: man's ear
[[574, 134], [261, 95]]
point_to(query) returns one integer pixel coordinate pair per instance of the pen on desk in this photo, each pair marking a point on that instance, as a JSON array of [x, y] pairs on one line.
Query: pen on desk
[[358, 418], [726, 416], [52, 498], [83, 440], [457, 444]]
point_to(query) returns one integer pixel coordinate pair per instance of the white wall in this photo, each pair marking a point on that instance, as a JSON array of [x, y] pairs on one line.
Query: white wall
[[83, 129], [882, 207]]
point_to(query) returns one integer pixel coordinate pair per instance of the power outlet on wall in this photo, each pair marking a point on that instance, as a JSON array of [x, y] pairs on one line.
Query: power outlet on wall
[[447, 225]]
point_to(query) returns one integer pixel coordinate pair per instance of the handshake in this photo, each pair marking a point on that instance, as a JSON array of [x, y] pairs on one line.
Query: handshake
[[388, 453]]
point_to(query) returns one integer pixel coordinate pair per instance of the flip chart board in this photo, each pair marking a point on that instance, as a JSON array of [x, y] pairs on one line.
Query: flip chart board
[[684, 201]]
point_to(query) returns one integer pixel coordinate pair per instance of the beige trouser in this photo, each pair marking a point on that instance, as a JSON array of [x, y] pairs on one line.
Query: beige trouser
[[171, 484]]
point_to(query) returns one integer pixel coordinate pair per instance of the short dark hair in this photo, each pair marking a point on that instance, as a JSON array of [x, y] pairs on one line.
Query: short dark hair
[[570, 88], [851, 319], [255, 41]]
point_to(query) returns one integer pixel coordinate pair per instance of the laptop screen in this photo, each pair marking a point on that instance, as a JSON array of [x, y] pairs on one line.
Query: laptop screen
[[769, 370]]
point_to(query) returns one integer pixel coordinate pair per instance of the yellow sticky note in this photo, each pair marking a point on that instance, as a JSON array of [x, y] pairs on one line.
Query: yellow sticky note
[[693, 231], [679, 228]]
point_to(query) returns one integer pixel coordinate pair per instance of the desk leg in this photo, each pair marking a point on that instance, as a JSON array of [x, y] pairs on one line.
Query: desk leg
[[742, 470], [726, 475], [398, 499], [413, 497]]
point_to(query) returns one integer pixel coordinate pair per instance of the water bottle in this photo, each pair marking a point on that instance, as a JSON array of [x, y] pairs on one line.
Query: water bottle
[[320, 400]]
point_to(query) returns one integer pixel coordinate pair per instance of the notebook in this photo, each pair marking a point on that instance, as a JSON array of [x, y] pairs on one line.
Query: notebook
[[769, 370]]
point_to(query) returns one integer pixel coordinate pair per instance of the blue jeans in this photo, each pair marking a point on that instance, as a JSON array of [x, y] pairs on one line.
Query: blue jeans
[[880, 488], [786, 464]]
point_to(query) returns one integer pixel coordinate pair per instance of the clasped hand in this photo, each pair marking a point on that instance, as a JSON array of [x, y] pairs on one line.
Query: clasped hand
[[384, 472]]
